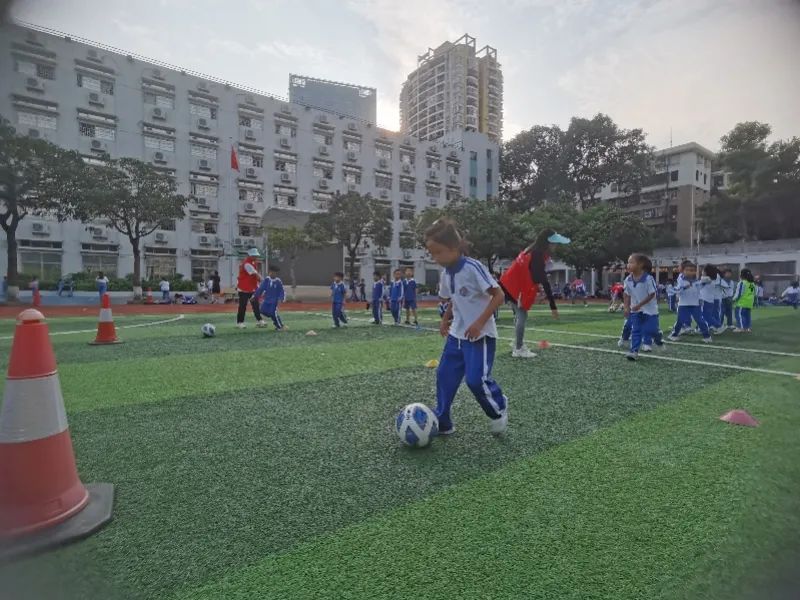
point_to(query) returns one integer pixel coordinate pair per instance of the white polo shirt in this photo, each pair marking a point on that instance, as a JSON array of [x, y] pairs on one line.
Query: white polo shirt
[[466, 285], [639, 289]]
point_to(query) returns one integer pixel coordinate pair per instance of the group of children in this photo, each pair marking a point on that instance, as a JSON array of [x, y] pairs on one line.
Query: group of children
[[708, 300], [399, 294]]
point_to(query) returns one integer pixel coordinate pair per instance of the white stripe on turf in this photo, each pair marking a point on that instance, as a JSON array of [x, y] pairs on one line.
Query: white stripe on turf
[[150, 324]]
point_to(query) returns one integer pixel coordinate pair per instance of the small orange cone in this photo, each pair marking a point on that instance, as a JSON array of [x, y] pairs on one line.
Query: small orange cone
[[544, 344], [106, 332], [432, 363], [739, 417], [42, 500]]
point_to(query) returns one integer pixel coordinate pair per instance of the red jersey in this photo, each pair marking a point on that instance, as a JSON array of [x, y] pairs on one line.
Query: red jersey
[[247, 282], [518, 283]]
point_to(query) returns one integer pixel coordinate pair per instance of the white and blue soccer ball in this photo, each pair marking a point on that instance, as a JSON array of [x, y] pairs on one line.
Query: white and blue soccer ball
[[416, 425], [208, 330]]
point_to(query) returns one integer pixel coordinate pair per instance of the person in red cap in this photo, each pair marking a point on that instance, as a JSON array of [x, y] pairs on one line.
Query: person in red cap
[[246, 285], [521, 283]]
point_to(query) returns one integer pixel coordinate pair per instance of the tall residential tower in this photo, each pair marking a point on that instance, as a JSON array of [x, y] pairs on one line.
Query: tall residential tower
[[454, 88]]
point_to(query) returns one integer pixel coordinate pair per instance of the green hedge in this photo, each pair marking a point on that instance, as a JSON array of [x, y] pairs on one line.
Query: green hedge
[[85, 282]]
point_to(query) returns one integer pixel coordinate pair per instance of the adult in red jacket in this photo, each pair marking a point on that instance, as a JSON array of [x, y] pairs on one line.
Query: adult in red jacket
[[246, 285], [521, 283]]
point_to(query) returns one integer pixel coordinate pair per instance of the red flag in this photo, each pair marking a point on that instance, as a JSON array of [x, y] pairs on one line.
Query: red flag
[[234, 159]]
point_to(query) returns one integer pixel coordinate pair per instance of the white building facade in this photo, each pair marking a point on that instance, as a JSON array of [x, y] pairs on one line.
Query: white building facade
[[99, 100]]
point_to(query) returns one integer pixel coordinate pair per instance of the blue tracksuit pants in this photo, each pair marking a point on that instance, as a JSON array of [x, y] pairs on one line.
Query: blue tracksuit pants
[[744, 318], [270, 309], [711, 314], [727, 312], [672, 303], [338, 313], [626, 330], [462, 359], [377, 310], [395, 307], [685, 316], [644, 329]]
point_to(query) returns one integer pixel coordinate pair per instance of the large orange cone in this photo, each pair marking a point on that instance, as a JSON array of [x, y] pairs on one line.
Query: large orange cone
[[42, 501], [106, 333]]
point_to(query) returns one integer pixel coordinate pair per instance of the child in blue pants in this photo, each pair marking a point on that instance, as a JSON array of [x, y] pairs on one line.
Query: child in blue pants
[[640, 299], [471, 335], [689, 303], [377, 298], [338, 296], [272, 290], [396, 294]]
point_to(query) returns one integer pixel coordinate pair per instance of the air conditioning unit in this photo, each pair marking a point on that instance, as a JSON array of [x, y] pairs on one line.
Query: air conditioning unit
[[453, 179], [94, 98], [433, 174], [158, 113], [40, 228], [157, 74], [201, 201], [323, 183], [202, 123], [384, 194], [161, 237], [250, 172], [351, 187], [323, 150], [453, 154], [406, 253], [33, 84], [202, 86], [249, 134], [406, 168], [352, 126], [34, 133], [158, 157], [285, 108], [203, 164], [285, 142], [323, 119], [285, 177], [406, 197], [204, 241], [250, 242], [250, 207], [383, 163], [98, 145], [351, 155]]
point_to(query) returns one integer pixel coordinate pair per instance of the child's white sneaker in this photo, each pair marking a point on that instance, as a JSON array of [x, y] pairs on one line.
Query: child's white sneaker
[[673, 338], [718, 330], [261, 323], [499, 426], [633, 356], [646, 348], [450, 431], [707, 340], [622, 343], [523, 352], [241, 325]]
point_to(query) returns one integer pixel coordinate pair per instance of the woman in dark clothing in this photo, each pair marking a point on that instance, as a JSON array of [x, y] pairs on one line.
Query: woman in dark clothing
[[522, 280], [216, 291]]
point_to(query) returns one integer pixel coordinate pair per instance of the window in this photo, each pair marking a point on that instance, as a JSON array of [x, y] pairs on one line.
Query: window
[[352, 145], [248, 195], [206, 112], [718, 180], [204, 152], [407, 186], [473, 156], [203, 189], [489, 154], [488, 176], [107, 87], [452, 169], [97, 132], [285, 130], [434, 163], [45, 265], [383, 153], [45, 72], [209, 227], [322, 200], [160, 100], [383, 182], [90, 83], [433, 191], [452, 195], [673, 176], [406, 214], [157, 266], [407, 159], [285, 166], [323, 171], [697, 175], [251, 160], [250, 122], [107, 263], [473, 182], [352, 177], [36, 120], [202, 268], [284, 199], [705, 179], [167, 225], [323, 139], [25, 67], [246, 230], [162, 144]]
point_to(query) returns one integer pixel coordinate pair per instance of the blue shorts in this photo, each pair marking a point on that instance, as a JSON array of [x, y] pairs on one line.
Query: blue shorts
[[410, 304]]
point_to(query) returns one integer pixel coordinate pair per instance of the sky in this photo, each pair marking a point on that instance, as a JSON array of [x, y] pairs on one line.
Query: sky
[[686, 70]]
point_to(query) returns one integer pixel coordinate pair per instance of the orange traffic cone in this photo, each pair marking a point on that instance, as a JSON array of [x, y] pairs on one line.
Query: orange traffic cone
[[106, 333], [42, 500]]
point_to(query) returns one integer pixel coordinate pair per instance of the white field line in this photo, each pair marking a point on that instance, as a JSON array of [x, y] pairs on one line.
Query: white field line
[[618, 353], [713, 346], [150, 324]]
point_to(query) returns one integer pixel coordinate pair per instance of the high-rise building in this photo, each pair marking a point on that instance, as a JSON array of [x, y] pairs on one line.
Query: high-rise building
[[292, 158], [355, 101], [454, 88]]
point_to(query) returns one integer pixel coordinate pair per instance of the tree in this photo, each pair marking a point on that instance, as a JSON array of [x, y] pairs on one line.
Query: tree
[[136, 199], [290, 242], [37, 178], [351, 220], [530, 170]]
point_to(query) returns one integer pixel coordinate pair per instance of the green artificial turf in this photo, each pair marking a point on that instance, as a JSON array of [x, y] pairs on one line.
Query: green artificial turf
[[264, 465]]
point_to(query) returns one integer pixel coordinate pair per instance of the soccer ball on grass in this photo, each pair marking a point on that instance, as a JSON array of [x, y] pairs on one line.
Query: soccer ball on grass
[[416, 425], [208, 330]]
